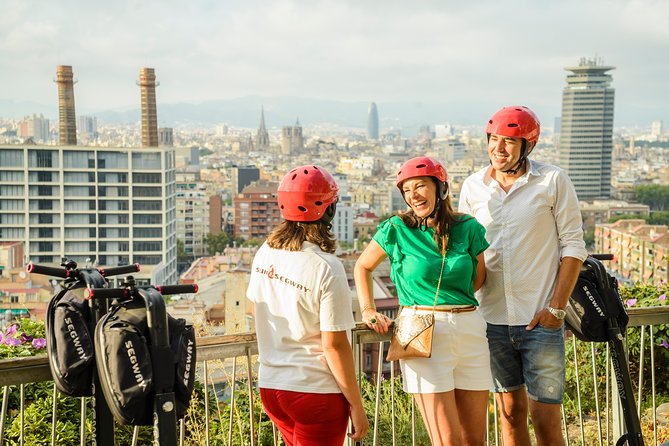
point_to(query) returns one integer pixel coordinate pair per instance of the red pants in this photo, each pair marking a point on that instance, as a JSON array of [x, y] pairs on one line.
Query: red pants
[[307, 419]]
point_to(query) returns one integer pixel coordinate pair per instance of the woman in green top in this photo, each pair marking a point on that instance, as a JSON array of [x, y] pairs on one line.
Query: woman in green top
[[451, 387]]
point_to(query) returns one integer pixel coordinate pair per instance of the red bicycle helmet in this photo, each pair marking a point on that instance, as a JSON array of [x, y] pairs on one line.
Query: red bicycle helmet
[[516, 121], [421, 166], [305, 193]]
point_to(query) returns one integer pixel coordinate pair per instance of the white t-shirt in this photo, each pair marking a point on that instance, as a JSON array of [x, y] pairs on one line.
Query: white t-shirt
[[297, 295]]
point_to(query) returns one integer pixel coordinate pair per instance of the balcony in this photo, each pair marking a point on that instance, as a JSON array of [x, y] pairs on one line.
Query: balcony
[[226, 367]]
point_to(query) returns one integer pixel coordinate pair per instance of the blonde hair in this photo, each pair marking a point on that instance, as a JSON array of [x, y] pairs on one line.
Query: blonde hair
[[289, 235]]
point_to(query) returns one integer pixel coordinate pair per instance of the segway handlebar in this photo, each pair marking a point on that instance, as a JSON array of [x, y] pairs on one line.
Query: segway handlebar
[[106, 293], [177, 289], [127, 292], [48, 270], [117, 270]]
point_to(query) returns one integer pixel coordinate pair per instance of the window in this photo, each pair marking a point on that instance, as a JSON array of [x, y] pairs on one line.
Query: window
[[11, 233], [11, 219], [147, 260], [44, 204], [148, 219], [147, 246], [42, 158], [77, 159], [44, 176], [145, 161], [147, 205], [45, 232], [11, 158], [146, 178], [147, 232], [11, 191], [11, 205], [112, 160], [145, 191], [8, 175]]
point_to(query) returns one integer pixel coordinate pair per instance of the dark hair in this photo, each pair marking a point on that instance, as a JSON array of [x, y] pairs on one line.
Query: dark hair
[[289, 235], [444, 219]]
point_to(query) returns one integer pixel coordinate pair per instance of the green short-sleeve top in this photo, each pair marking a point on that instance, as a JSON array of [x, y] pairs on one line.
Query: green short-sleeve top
[[415, 261]]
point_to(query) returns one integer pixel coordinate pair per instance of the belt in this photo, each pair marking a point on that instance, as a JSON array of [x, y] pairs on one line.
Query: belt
[[445, 310]]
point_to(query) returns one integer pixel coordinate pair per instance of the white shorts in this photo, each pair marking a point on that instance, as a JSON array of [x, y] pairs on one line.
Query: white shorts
[[460, 356]]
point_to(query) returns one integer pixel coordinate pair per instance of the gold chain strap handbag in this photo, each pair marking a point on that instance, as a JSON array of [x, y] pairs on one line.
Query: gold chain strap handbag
[[412, 335]]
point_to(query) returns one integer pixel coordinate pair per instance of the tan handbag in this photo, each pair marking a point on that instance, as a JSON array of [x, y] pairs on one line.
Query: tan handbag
[[412, 333]]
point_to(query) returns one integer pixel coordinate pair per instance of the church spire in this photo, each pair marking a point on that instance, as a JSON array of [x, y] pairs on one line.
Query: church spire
[[262, 137]]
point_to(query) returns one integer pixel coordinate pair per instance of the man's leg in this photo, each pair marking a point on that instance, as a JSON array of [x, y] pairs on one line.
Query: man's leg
[[507, 372], [546, 419], [513, 410], [544, 365]]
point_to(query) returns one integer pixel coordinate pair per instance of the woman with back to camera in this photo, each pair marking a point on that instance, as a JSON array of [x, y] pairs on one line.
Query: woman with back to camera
[[303, 316], [451, 387]]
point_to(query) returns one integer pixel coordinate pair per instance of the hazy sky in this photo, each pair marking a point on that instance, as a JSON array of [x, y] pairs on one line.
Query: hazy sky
[[470, 54]]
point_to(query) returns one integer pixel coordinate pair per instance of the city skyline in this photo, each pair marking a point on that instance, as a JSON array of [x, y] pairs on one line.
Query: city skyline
[[465, 59]]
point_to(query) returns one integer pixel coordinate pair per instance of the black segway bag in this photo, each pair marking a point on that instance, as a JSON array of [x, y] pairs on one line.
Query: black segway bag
[[124, 363], [69, 343], [591, 304]]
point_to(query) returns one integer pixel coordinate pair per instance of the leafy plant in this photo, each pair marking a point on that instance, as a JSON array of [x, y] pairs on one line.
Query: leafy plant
[[23, 338]]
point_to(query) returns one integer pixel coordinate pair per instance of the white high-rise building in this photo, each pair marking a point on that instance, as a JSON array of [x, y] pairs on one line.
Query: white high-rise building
[[342, 224], [114, 206], [587, 129]]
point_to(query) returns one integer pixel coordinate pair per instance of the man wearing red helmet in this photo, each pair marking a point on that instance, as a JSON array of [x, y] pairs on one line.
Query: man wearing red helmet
[[303, 317], [533, 224], [436, 259]]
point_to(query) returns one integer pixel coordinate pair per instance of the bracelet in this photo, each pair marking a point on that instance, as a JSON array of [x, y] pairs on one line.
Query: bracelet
[[367, 307]]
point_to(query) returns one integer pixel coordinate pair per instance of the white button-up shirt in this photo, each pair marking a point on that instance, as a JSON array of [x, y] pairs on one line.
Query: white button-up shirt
[[529, 228]]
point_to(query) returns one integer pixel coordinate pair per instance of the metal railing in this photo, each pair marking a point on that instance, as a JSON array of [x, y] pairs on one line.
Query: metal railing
[[226, 407]]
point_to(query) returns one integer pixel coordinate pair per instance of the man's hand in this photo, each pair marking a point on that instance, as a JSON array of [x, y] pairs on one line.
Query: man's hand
[[545, 319]]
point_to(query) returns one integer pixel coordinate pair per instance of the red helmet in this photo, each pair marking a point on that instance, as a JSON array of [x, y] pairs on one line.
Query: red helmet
[[305, 193], [421, 166], [516, 121]]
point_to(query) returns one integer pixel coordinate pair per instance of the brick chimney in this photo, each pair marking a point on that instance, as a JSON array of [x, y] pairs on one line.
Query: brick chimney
[[67, 120]]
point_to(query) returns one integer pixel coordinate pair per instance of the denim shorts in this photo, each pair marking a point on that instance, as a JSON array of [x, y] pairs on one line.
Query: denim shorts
[[534, 359]]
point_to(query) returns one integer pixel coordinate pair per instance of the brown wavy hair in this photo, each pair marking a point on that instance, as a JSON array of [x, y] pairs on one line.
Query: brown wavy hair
[[445, 218], [289, 235]]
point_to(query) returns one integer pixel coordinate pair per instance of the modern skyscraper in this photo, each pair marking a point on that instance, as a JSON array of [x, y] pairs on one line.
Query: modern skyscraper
[[587, 128], [372, 121], [68, 125], [262, 137], [147, 83]]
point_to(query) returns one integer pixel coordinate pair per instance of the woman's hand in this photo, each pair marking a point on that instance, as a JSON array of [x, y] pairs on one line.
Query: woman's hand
[[378, 322]]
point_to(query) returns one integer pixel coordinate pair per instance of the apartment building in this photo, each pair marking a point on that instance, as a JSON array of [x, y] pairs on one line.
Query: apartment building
[[192, 214], [256, 210], [641, 251]]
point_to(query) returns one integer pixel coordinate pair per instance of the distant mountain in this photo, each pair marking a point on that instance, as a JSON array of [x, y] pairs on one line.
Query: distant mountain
[[245, 112], [281, 111], [18, 109]]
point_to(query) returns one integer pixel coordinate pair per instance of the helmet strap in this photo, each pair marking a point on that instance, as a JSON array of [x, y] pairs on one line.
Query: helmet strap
[[521, 160], [329, 214]]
